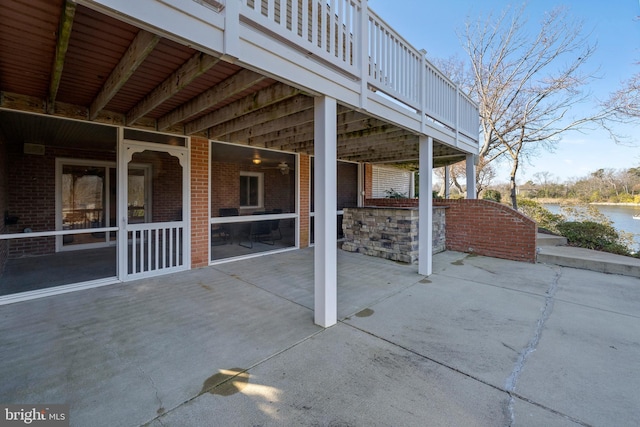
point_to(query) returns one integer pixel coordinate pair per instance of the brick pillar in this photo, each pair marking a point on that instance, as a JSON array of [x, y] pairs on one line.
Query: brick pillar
[[305, 205], [199, 202], [368, 181]]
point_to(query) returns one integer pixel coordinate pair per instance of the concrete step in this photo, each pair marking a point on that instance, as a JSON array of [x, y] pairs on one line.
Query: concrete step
[[586, 259], [550, 240]]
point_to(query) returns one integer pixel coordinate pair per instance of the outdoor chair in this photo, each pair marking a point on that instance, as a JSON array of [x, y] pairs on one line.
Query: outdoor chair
[[220, 234], [275, 225], [225, 231], [257, 231]]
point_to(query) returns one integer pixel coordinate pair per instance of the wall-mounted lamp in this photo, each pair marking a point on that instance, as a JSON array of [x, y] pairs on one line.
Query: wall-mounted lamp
[[256, 161]]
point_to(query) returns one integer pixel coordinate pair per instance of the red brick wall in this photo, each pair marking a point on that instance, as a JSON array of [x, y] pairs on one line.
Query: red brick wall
[[305, 206], [32, 199], [489, 228], [279, 190], [225, 186], [199, 202]]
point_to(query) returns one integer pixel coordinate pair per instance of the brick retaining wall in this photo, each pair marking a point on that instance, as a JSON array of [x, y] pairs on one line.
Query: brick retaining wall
[[489, 228]]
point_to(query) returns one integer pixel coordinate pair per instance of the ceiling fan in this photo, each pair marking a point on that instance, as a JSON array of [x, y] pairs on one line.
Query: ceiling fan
[[282, 166]]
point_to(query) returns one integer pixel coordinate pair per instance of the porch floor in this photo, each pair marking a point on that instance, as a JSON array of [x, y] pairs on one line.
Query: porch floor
[[481, 342], [62, 268]]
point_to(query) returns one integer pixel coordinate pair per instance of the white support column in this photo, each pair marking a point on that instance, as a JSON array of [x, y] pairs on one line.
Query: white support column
[[471, 176], [325, 198], [425, 207], [447, 182]]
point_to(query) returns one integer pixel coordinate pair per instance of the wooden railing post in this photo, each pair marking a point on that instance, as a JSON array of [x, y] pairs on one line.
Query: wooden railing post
[[457, 119], [363, 45], [422, 87]]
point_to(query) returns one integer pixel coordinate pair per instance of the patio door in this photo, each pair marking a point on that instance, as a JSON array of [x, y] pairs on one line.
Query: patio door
[[153, 209]]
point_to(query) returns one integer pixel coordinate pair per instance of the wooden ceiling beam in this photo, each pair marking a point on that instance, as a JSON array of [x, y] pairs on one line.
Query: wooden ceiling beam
[[305, 143], [378, 140], [62, 45], [260, 107], [259, 133], [289, 138], [369, 132], [380, 156], [196, 66], [396, 149], [142, 45], [288, 135], [295, 142], [229, 87]]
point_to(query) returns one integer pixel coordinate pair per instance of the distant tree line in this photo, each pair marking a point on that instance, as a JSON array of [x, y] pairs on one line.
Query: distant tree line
[[602, 185]]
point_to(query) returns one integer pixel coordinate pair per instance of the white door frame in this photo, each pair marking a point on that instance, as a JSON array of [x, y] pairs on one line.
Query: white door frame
[[127, 148]]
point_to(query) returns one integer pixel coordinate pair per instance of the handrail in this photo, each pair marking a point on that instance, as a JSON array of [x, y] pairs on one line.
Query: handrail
[[327, 29], [394, 65], [365, 46]]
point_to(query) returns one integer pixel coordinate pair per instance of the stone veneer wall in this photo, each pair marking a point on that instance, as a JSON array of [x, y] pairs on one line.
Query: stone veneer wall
[[389, 232], [439, 238]]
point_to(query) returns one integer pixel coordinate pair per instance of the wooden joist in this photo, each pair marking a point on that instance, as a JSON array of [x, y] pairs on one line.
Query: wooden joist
[[197, 65], [142, 45], [62, 44], [264, 105], [217, 94]]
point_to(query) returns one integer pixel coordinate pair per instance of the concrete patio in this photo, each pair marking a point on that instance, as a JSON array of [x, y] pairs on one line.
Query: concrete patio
[[481, 342]]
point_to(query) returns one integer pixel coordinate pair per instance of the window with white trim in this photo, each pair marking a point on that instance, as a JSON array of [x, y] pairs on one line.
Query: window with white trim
[[251, 190]]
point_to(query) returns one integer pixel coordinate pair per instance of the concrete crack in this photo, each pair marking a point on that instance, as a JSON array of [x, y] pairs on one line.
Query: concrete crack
[[161, 408], [545, 312]]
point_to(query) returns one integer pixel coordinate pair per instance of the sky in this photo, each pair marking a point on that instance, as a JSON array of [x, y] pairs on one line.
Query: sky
[[615, 27]]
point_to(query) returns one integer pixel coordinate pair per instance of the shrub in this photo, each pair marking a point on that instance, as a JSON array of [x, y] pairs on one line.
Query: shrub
[[540, 214], [492, 195], [393, 194], [593, 235]]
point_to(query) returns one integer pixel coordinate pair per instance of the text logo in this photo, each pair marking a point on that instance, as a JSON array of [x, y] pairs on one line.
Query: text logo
[[34, 415]]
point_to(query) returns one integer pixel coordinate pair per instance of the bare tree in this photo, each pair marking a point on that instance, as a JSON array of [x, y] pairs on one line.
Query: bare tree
[[543, 178], [456, 171], [626, 101], [526, 84], [485, 174]]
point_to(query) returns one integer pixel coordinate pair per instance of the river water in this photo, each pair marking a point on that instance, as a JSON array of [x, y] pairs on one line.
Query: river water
[[621, 217]]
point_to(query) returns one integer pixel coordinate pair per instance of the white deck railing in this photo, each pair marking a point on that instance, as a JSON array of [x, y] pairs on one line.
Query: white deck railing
[[312, 26], [349, 36]]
